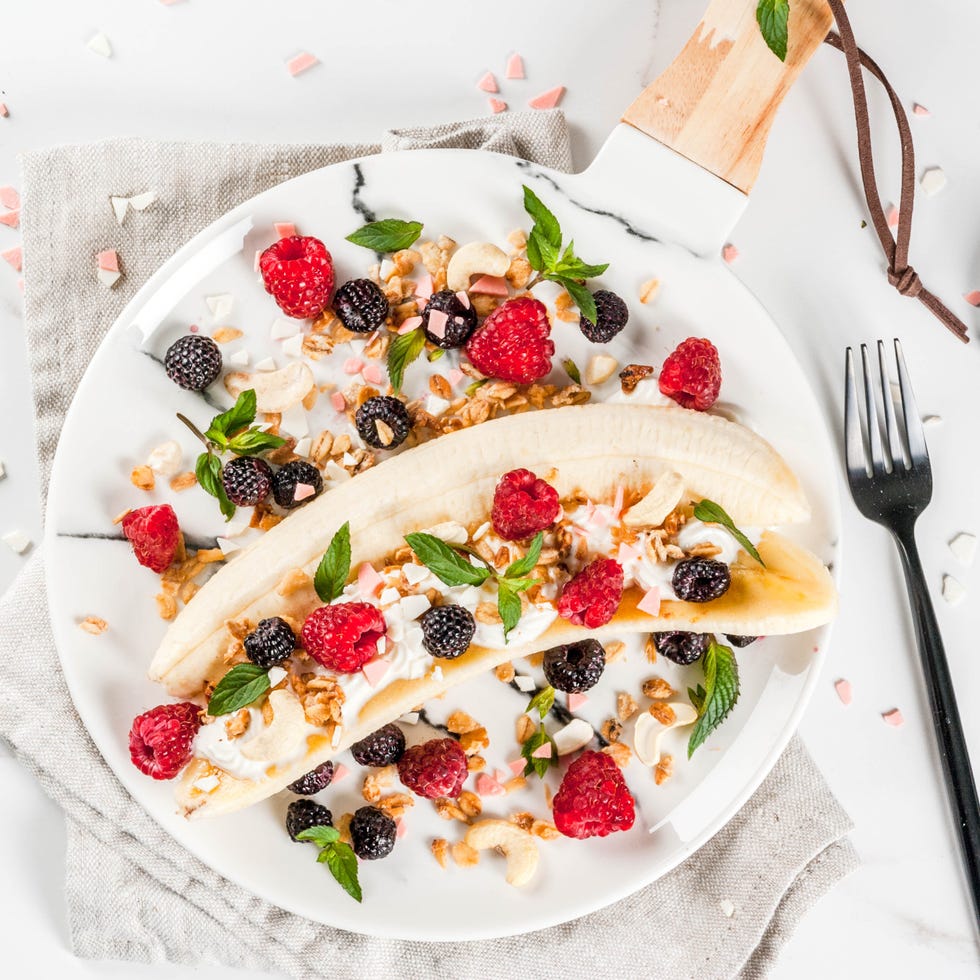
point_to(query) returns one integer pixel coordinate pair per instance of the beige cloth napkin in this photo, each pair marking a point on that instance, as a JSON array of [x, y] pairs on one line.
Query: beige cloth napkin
[[132, 893]]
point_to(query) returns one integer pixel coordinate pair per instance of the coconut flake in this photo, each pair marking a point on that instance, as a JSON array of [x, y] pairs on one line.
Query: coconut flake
[[303, 446], [228, 547], [107, 278], [283, 327], [239, 359], [293, 346], [964, 547], [574, 736], [524, 683], [727, 907]]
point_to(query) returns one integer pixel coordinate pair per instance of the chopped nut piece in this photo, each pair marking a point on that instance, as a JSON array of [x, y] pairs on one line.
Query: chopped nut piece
[[474, 741], [183, 481], [563, 308], [525, 728], [267, 712], [519, 272], [470, 803], [615, 651], [449, 810], [518, 238], [464, 855], [611, 730], [486, 612], [94, 625], [626, 706], [620, 752], [440, 850], [632, 375], [293, 581], [649, 290], [207, 556], [459, 722], [439, 386], [545, 830], [385, 435], [523, 819], [505, 673], [658, 688], [343, 826], [395, 804], [600, 368], [476, 763], [664, 769], [664, 713], [375, 782], [650, 649], [704, 549], [166, 606], [224, 335], [237, 724], [142, 478], [512, 785]]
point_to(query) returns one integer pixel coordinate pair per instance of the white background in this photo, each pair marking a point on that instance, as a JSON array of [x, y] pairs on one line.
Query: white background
[[213, 69]]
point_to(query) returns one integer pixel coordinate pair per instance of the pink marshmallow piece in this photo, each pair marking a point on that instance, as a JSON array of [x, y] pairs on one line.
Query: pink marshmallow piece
[[490, 286], [10, 218], [9, 198], [515, 66], [4, 111], [920, 110], [454, 376], [650, 603], [258, 258], [488, 786], [488, 83], [368, 580], [437, 323], [628, 552], [303, 491], [729, 253], [285, 229], [410, 324], [339, 771], [575, 701], [497, 106], [401, 828], [542, 751], [353, 365], [372, 374], [893, 718], [423, 288], [338, 401], [300, 63], [844, 691], [463, 298], [108, 260], [891, 216], [549, 99], [14, 256], [973, 298], [516, 766], [374, 670]]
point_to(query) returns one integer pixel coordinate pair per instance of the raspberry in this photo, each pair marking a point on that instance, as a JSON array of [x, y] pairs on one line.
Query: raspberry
[[298, 272], [575, 667], [459, 324], [513, 343], [303, 814], [381, 748], [434, 768], [611, 316], [289, 477], [155, 535], [680, 647], [160, 739], [361, 306], [344, 637], [593, 596], [593, 799], [372, 833], [271, 643], [691, 375], [700, 579], [193, 362], [523, 505], [447, 631], [314, 781], [740, 641], [390, 411], [247, 480]]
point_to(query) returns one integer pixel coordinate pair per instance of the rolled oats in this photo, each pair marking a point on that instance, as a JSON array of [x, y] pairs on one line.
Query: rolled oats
[[658, 688], [626, 706]]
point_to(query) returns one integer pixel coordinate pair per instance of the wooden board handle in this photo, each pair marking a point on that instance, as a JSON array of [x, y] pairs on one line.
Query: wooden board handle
[[717, 100]]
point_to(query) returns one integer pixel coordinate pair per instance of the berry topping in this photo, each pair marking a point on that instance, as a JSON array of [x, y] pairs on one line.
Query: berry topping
[[320, 778], [680, 647], [447, 631], [298, 272], [700, 579], [344, 637], [611, 316], [575, 667], [691, 375], [740, 641], [383, 422], [381, 748], [523, 505], [247, 480], [271, 643], [303, 814], [360, 305], [288, 480], [593, 799], [193, 362], [513, 343], [434, 768], [453, 323], [160, 739], [593, 596], [372, 833], [155, 535]]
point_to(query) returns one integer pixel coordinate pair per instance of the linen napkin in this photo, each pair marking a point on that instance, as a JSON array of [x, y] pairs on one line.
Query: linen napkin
[[132, 893]]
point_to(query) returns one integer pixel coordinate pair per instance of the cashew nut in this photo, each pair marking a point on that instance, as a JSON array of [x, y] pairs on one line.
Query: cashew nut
[[517, 845], [600, 368], [475, 259], [648, 732], [275, 391], [283, 735], [665, 494]]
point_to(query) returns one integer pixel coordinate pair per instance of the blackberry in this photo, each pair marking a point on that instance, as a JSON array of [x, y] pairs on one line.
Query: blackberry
[[680, 647], [303, 814], [460, 320], [575, 667], [447, 631], [701, 579], [287, 478], [381, 748], [390, 411], [740, 641], [313, 782], [271, 643], [247, 480], [372, 833], [360, 305], [193, 362], [611, 316]]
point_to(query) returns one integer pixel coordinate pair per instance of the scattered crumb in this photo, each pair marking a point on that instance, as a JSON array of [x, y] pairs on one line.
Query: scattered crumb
[[17, 541], [931, 419], [953, 591], [9, 197], [94, 625], [844, 690], [464, 855], [649, 291], [893, 718], [10, 218], [440, 850], [964, 547]]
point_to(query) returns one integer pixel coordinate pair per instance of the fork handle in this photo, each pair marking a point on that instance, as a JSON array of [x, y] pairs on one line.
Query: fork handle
[[960, 785]]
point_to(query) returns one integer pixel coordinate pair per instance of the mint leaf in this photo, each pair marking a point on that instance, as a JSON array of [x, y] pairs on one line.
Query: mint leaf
[[509, 606], [320, 835], [331, 574], [773, 18], [523, 565], [542, 702], [254, 441], [571, 369], [242, 685], [389, 235], [720, 693], [434, 355], [547, 253], [539, 766], [545, 223], [404, 349], [342, 862], [712, 513], [448, 566], [583, 298], [208, 473], [240, 415], [473, 386], [697, 698]]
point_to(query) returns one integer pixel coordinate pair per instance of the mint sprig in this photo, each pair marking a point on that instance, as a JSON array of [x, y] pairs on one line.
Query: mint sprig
[[334, 568], [240, 687], [542, 703], [389, 235], [405, 348], [715, 700], [773, 19], [338, 857], [711, 513], [444, 562]]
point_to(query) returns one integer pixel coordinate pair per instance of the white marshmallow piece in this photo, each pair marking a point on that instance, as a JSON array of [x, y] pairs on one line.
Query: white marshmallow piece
[[220, 305], [99, 43], [108, 277], [228, 547], [17, 541], [120, 205], [240, 358], [266, 364], [303, 446], [953, 591], [295, 421], [933, 181], [283, 328], [140, 202], [166, 458], [293, 346], [964, 547], [524, 683]]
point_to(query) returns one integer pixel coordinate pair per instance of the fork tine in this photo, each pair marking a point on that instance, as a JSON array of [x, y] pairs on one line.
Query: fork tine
[[915, 436], [892, 439], [854, 448], [871, 408]]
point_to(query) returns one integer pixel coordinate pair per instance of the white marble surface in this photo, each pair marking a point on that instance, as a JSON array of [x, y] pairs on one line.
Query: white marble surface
[[208, 70]]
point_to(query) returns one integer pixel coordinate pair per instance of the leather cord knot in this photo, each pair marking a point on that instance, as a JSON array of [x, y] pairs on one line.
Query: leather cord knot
[[907, 282]]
